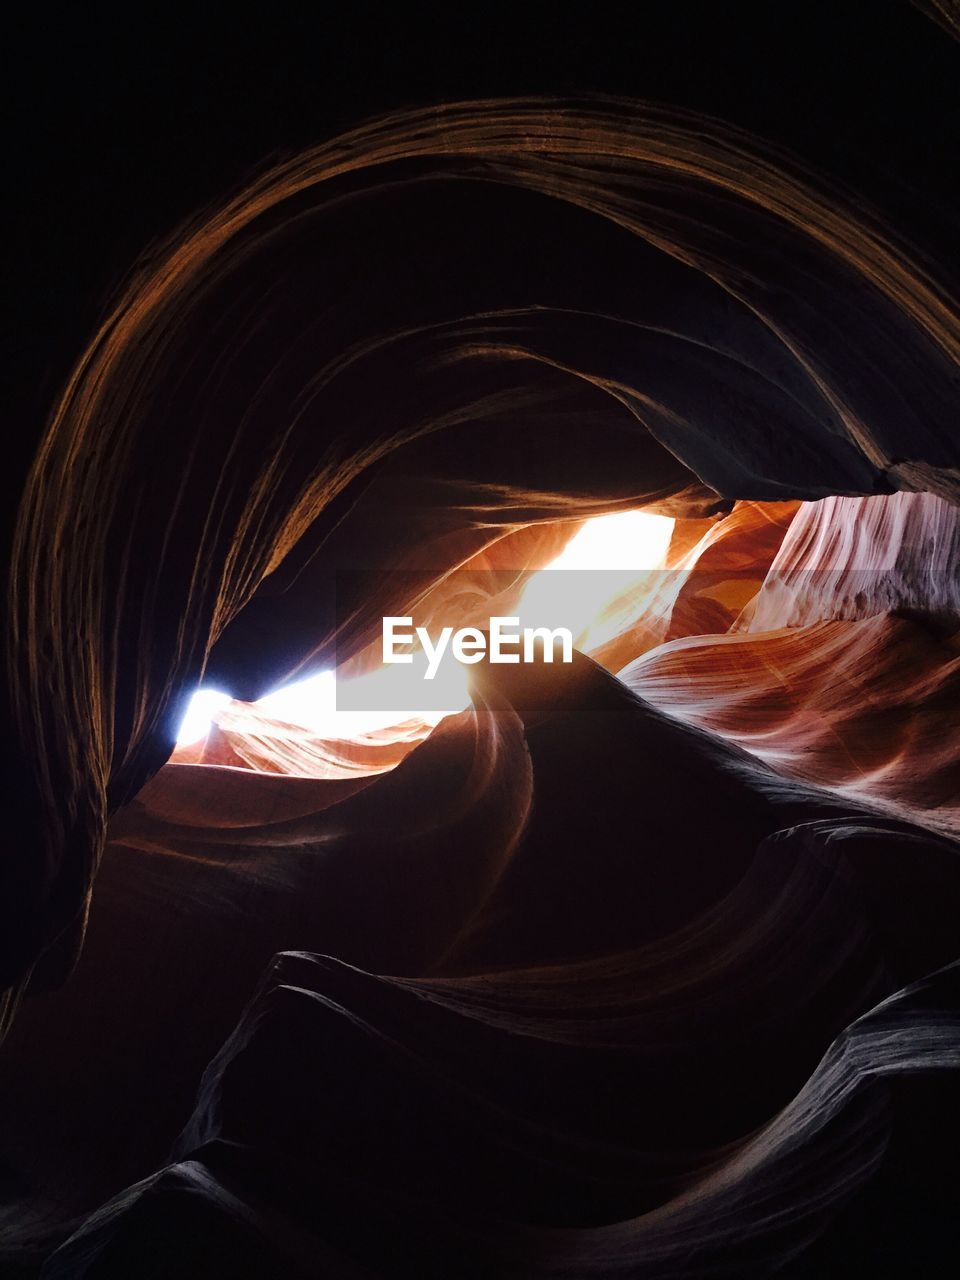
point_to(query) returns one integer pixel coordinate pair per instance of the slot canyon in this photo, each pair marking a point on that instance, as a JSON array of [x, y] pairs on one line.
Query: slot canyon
[[642, 965]]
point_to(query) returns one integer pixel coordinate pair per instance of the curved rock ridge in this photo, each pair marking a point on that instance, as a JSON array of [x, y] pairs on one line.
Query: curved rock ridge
[[869, 708], [242, 736], [843, 668], [856, 557], [595, 1119]]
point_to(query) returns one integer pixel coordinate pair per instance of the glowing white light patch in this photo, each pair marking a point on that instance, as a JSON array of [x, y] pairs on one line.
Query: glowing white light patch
[[619, 550], [311, 703], [198, 717], [624, 540]]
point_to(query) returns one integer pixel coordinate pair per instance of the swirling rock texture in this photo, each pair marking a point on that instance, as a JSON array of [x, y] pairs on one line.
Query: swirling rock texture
[[642, 966]]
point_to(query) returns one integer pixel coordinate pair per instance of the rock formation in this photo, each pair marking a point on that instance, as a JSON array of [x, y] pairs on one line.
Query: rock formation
[[644, 966]]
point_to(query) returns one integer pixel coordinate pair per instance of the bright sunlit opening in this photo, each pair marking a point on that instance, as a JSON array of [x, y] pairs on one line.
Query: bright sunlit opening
[[626, 540], [312, 703], [201, 709], [609, 556], [619, 549]]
